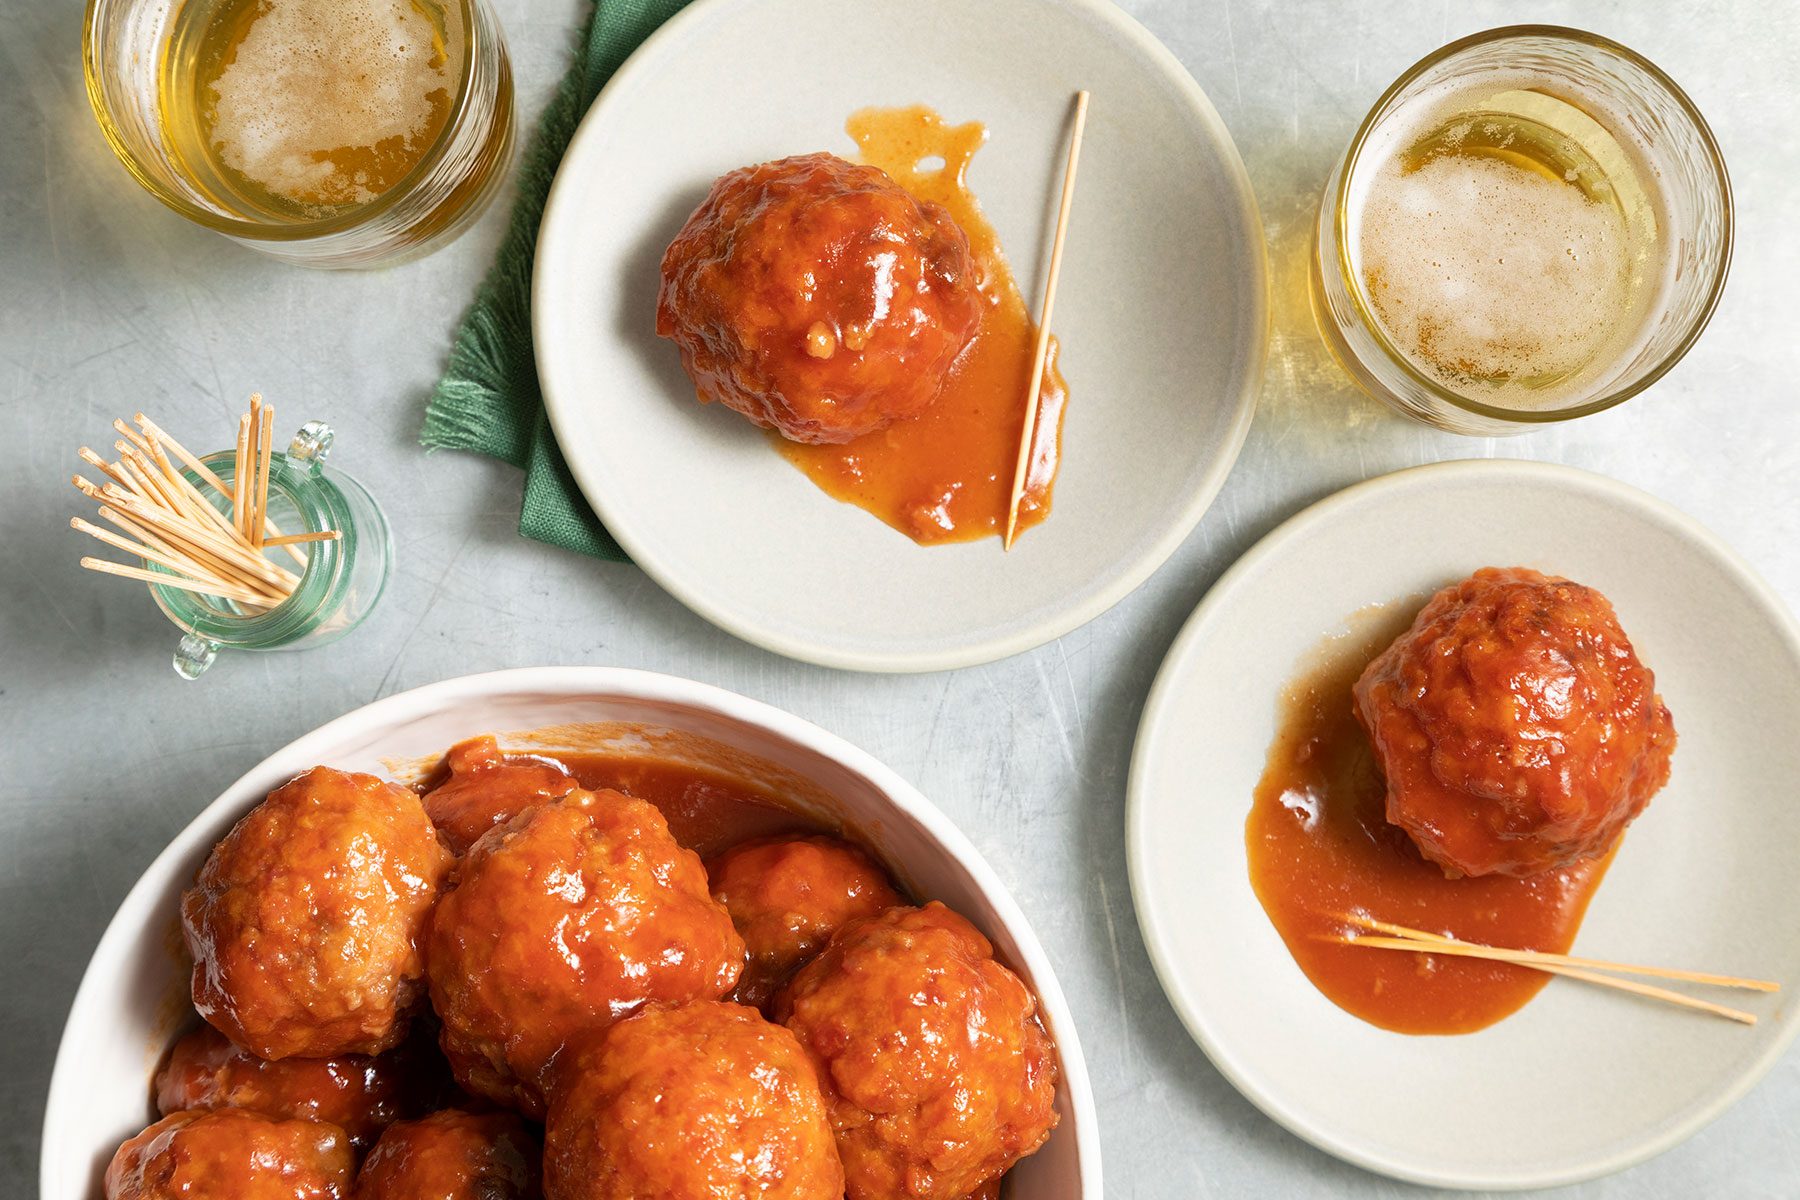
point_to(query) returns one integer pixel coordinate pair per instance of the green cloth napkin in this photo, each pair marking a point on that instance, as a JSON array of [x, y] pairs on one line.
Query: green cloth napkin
[[488, 400]]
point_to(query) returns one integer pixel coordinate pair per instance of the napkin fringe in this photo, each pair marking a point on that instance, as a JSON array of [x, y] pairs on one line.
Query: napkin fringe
[[488, 399]]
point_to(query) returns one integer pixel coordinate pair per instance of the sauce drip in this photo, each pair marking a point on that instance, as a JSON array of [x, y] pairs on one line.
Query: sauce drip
[[1319, 843], [946, 476], [707, 811]]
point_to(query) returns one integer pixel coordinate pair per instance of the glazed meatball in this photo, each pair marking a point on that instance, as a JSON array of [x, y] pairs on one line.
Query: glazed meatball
[[452, 1155], [701, 1101], [937, 1072], [357, 1092], [787, 896], [232, 1154], [305, 922], [565, 919], [818, 298], [1516, 728], [488, 787]]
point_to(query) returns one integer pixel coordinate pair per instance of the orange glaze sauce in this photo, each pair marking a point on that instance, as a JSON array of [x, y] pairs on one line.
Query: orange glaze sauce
[[707, 811], [946, 476], [1319, 843]]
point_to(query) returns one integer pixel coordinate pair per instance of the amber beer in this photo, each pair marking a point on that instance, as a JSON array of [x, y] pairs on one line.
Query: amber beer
[[373, 126], [1510, 245], [304, 108], [1505, 242]]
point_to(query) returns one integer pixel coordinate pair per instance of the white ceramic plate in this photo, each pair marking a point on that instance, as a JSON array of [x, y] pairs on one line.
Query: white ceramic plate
[[1162, 312], [131, 999], [1582, 1081]]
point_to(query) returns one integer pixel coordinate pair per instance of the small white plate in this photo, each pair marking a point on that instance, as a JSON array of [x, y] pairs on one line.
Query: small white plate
[[1162, 313], [1581, 1081]]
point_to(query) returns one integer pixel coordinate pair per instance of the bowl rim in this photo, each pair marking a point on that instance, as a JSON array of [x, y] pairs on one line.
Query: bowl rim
[[549, 280], [1139, 836], [65, 1090]]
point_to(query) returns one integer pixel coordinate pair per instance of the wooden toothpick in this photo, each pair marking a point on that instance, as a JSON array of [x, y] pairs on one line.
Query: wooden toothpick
[[170, 522], [1028, 436]]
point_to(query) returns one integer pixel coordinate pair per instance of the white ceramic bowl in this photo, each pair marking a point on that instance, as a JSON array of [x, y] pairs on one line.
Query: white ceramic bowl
[[131, 999]]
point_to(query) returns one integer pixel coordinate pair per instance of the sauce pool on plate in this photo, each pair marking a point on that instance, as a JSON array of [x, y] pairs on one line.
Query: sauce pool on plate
[[946, 476], [1320, 845]]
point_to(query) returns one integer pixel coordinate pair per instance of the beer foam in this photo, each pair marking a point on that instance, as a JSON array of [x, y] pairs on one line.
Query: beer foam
[[314, 77], [1486, 272]]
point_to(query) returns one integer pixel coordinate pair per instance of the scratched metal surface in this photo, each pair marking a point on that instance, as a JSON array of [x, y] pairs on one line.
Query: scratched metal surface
[[108, 303]]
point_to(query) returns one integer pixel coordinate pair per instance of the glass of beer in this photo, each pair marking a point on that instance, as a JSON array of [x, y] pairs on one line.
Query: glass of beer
[[1533, 224], [329, 133]]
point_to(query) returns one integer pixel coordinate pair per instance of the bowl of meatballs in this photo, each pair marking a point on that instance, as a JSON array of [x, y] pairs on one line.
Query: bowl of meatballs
[[571, 934]]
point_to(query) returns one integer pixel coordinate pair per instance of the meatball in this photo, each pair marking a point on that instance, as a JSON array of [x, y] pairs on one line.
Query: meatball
[[452, 1155], [487, 788], [565, 919], [702, 1101], [305, 922], [357, 1092], [1516, 728], [818, 298], [937, 1072], [787, 896], [232, 1154]]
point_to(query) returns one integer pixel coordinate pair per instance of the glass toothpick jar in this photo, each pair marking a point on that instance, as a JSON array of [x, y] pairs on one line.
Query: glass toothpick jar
[[339, 580]]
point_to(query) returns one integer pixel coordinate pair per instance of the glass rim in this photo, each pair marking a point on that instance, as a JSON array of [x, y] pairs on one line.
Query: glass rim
[[255, 230], [1715, 159]]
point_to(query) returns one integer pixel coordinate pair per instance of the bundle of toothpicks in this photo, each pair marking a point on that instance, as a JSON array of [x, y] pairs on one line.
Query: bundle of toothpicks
[[164, 517]]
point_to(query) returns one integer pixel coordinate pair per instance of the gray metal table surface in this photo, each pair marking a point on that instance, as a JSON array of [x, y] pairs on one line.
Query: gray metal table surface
[[109, 303]]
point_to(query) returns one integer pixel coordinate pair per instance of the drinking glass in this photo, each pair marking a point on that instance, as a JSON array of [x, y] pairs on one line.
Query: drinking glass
[[123, 44], [1615, 96]]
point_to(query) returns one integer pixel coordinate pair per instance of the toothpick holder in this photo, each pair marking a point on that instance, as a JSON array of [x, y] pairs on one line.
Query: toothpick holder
[[341, 581]]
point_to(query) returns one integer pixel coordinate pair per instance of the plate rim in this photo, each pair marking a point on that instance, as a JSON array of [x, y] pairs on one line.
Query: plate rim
[[964, 652], [565, 681], [1149, 734]]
